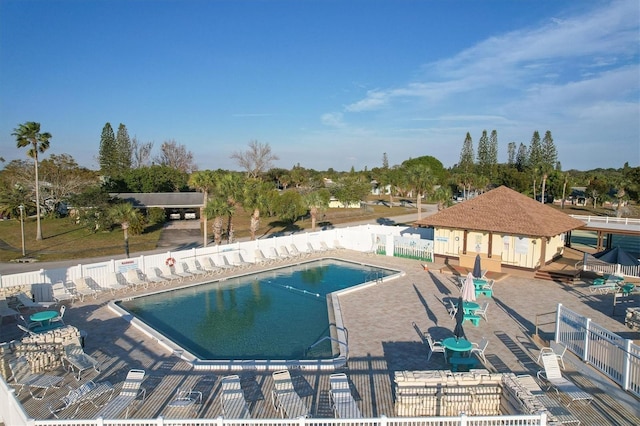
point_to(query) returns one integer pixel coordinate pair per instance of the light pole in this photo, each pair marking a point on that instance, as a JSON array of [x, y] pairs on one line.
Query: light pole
[[21, 207]]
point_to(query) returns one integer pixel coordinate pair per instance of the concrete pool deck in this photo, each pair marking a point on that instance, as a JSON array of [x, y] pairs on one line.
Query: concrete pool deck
[[382, 339]]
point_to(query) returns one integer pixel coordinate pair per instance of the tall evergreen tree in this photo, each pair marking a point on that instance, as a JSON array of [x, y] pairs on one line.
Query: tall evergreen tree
[[549, 151], [123, 150], [108, 152], [511, 154], [522, 158], [385, 161], [535, 151], [484, 160], [493, 151], [466, 155]]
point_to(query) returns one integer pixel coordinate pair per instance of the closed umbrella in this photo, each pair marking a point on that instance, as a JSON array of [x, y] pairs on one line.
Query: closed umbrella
[[458, 331], [477, 269], [469, 289]]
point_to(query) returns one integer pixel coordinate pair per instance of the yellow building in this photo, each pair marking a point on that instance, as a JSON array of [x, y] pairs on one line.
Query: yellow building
[[505, 227]]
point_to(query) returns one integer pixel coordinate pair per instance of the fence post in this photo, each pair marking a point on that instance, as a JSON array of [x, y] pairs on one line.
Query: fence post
[[543, 418], [626, 368], [587, 329], [557, 332]]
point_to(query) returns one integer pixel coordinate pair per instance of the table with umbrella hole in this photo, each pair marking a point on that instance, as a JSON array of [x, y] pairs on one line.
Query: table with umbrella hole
[[458, 351]]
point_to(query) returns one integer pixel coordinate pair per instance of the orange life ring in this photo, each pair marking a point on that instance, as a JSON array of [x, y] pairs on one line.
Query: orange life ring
[[170, 261]]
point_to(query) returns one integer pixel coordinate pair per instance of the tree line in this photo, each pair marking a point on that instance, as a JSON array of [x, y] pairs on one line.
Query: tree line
[[44, 185]]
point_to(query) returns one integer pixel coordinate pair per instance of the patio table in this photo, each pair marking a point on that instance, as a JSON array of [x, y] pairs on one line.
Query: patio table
[[43, 317], [470, 307]]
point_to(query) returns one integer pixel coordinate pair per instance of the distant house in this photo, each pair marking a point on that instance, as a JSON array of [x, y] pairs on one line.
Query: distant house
[[505, 227], [578, 196], [335, 204], [177, 205]]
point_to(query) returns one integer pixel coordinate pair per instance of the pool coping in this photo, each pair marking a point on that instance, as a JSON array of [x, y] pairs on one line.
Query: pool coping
[[339, 336]]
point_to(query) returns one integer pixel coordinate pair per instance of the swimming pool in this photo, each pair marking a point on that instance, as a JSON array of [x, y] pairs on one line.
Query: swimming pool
[[279, 314]]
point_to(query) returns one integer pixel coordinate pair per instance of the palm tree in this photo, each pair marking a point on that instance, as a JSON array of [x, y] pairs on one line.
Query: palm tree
[[129, 218], [28, 134], [255, 199], [203, 181], [231, 186], [420, 180], [216, 209], [316, 201]]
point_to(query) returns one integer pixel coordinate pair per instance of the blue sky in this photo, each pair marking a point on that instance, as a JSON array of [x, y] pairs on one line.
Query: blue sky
[[325, 83]]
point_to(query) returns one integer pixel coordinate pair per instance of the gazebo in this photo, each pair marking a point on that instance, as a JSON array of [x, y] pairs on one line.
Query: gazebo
[[504, 227]]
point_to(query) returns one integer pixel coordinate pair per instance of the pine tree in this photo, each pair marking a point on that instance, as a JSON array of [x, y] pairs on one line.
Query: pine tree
[[511, 154], [466, 155], [123, 150], [535, 151], [521, 158], [484, 161], [385, 161], [549, 151], [108, 151]]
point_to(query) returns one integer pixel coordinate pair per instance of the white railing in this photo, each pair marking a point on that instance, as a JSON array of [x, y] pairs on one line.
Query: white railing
[[606, 219], [609, 268], [617, 358]]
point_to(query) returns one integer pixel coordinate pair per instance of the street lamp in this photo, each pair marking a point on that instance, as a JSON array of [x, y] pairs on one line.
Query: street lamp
[[21, 207]]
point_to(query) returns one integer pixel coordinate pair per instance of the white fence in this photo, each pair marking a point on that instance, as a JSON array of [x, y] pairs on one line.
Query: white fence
[[359, 238], [607, 219], [617, 358]]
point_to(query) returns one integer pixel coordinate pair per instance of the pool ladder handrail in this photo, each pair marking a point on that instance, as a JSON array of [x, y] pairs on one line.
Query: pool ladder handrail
[[333, 339], [375, 275]]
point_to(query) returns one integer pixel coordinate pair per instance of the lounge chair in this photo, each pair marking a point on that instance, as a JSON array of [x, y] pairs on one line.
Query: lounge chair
[[261, 259], [561, 414], [338, 246], [135, 278], [115, 282], [77, 360], [325, 247], [207, 264], [181, 270], [296, 251], [193, 267], [59, 319], [61, 293], [124, 401], [167, 272], [155, 278], [479, 348], [82, 288], [273, 254], [284, 397], [186, 399], [234, 405], [554, 379], [223, 263], [283, 253], [25, 302], [22, 376], [562, 350], [89, 391], [344, 405], [287, 253], [313, 249], [434, 346], [6, 311], [236, 260], [26, 331]]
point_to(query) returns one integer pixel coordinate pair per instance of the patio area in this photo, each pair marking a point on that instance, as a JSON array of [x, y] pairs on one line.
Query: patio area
[[382, 339]]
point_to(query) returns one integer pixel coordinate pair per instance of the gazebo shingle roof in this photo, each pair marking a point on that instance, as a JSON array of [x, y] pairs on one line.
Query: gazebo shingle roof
[[503, 210]]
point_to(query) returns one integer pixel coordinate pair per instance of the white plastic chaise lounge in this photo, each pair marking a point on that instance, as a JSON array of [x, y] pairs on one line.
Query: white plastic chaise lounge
[[284, 397], [82, 288], [125, 400], [261, 259], [234, 405], [273, 254], [554, 379], [135, 278], [207, 264], [61, 293], [298, 252], [6, 311], [236, 261], [77, 361], [554, 407], [194, 267], [88, 391], [223, 263], [180, 269], [344, 405], [154, 278], [115, 282], [25, 301], [186, 398], [23, 377], [167, 273]]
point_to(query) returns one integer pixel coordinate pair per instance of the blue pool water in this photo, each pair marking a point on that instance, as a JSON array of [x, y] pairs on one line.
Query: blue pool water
[[277, 314]]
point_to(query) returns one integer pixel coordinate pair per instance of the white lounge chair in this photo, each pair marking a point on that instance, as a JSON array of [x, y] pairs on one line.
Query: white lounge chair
[[223, 263], [561, 414], [234, 405], [6, 311], [23, 377], [288, 253], [325, 247], [179, 269], [115, 282], [554, 379], [154, 278], [25, 302], [559, 355], [313, 249], [61, 293], [273, 254], [284, 397], [338, 246], [77, 360], [124, 401], [207, 264], [236, 260], [89, 391], [344, 405], [186, 399], [283, 253], [479, 348], [261, 259], [193, 267], [167, 272], [296, 251], [135, 278], [82, 288]]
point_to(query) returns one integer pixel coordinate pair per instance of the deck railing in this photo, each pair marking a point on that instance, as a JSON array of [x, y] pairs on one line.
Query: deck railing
[[614, 356]]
